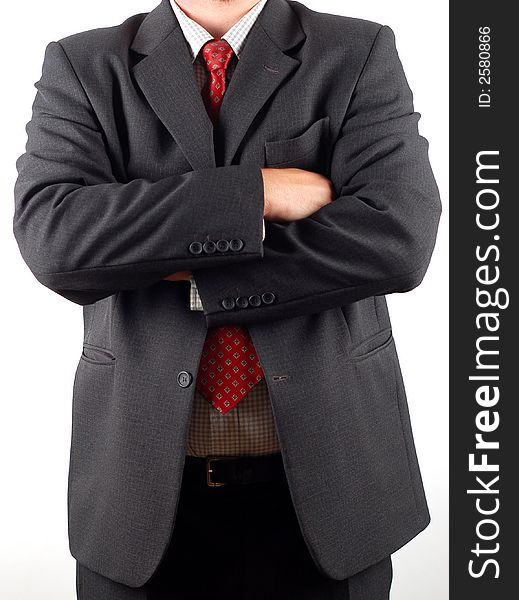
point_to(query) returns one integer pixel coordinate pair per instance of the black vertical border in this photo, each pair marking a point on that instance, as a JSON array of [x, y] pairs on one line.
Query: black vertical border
[[473, 130]]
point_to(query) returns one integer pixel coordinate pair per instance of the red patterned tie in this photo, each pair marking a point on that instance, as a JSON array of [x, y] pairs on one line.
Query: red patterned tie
[[229, 367], [217, 55]]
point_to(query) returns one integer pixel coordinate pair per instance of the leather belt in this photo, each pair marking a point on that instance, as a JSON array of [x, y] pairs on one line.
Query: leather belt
[[217, 471]]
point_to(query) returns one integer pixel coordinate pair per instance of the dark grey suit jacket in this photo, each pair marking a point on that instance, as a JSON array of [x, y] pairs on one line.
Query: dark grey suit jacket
[[120, 177]]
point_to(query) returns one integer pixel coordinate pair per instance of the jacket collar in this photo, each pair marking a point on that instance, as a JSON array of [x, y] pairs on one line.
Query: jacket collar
[[166, 77]]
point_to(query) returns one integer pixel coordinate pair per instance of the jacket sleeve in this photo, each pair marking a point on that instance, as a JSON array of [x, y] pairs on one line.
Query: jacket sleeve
[[86, 235], [377, 235]]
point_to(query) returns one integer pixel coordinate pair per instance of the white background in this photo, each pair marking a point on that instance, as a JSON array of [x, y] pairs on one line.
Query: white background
[[42, 332]]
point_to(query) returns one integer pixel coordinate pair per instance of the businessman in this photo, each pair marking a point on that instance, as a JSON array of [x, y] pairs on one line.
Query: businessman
[[229, 189]]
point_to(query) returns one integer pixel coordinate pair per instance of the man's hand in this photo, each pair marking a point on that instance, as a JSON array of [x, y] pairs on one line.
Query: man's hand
[[178, 276], [292, 194]]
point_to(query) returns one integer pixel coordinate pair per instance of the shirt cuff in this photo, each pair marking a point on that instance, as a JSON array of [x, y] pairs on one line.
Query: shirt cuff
[[195, 302]]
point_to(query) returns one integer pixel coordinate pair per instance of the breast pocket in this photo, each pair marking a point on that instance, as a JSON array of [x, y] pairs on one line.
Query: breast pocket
[[305, 151]]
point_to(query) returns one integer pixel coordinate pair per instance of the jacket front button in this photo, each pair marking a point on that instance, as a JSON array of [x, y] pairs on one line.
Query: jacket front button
[[268, 297], [222, 245], [254, 300], [242, 302], [209, 247], [228, 303], [184, 379], [236, 245], [195, 248]]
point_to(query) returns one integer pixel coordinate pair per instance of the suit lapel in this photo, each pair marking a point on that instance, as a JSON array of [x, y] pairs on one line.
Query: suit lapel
[[262, 68], [166, 77]]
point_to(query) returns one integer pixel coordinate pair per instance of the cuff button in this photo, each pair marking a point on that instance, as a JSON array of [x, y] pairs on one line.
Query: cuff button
[[242, 302], [268, 298], [228, 303], [254, 300], [209, 247], [222, 245], [236, 245], [195, 248]]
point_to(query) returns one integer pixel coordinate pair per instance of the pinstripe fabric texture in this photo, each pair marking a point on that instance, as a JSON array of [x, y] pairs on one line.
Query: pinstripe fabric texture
[[249, 428]]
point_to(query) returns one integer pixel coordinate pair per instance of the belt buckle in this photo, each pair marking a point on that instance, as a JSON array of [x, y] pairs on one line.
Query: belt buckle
[[208, 470]]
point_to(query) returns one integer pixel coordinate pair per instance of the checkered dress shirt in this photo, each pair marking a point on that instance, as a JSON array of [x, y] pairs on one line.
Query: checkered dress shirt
[[249, 428]]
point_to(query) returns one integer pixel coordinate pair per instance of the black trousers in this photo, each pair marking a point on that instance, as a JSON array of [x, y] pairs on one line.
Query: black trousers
[[238, 542]]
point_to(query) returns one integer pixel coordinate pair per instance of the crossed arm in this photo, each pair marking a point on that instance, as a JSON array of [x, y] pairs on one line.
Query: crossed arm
[[86, 236], [289, 194]]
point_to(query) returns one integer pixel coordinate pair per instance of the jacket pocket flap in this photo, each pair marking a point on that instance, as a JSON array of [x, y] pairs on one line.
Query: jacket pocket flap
[[372, 345], [97, 355], [282, 151]]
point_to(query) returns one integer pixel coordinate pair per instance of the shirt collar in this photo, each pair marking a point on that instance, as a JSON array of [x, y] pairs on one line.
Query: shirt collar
[[196, 36]]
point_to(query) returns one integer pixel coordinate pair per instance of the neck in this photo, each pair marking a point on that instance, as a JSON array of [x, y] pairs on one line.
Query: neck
[[216, 16]]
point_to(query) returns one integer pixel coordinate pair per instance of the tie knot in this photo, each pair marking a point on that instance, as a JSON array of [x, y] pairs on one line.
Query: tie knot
[[217, 53]]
